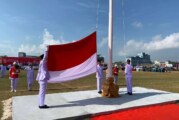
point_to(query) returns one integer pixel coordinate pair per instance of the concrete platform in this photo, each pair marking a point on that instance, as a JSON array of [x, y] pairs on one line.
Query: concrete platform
[[83, 104]]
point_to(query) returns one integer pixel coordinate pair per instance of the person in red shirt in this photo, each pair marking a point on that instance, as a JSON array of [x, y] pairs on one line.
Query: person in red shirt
[[13, 76], [115, 73]]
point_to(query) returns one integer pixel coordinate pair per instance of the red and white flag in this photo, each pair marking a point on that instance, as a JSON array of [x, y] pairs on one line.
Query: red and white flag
[[73, 60]]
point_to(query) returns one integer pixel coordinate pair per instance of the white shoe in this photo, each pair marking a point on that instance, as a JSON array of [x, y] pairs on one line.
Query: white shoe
[[14, 90]]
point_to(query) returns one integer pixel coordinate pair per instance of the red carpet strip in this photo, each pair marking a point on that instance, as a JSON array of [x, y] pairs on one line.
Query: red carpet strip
[[156, 112]]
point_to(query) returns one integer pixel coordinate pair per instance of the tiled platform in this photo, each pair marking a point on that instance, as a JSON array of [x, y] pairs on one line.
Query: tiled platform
[[82, 104]]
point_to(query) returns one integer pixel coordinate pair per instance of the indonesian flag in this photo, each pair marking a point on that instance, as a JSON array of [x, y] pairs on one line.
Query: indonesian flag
[[73, 60]]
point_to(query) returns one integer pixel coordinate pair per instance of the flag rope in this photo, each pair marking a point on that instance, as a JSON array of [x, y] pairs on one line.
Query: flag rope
[[97, 15], [123, 25]]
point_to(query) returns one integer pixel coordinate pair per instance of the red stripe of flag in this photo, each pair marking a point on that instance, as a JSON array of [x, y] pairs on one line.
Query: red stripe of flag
[[64, 56]]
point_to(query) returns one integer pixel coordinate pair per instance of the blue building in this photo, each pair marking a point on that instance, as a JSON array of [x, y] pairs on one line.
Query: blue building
[[140, 59]]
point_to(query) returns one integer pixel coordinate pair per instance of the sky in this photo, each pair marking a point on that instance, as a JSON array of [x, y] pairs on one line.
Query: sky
[[150, 26]]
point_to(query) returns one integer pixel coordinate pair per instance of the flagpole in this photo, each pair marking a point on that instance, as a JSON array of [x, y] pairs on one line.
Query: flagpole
[[110, 38], [110, 90]]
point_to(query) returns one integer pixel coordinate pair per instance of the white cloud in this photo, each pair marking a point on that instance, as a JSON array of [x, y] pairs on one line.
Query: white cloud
[[48, 39], [86, 5], [27, 38], [157, 38], [171, 41], [28, 49], [83, 4], [137, 24], [7, 48], [103, 42], [132, 47]]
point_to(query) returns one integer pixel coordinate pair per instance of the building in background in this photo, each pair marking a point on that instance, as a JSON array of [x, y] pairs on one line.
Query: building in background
[[22, 60], [21, 54], [140, 60]]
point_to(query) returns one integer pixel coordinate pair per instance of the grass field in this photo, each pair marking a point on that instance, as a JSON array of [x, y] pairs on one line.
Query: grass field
[[155, 80]]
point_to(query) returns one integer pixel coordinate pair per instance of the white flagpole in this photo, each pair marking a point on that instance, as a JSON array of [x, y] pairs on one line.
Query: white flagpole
[[110, 39]]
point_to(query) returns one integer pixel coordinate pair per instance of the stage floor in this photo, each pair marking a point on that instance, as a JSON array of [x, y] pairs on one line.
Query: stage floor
[[83, 104]]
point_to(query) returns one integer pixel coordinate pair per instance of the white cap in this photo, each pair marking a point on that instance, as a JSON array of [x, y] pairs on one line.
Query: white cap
[[14, 63]]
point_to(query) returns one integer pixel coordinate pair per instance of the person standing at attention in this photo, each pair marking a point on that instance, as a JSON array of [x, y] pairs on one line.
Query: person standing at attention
[[30, 76], [99, 76], [115, 73], [13, 76], [3, 70], [42, 77], [128, 75]]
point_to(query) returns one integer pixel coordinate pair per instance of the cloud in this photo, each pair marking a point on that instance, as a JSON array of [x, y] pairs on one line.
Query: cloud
[[28, 48], [86, 5], [5, 44], [7, 48], [171, 41], [48, 39], [103, 42], [27, 38], [137, 24], [132, 47]]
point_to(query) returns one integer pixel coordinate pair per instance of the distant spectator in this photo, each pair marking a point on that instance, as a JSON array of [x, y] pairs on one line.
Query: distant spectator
[[115, 73], [13, 75], [30, 76], [3, 70], [122, 67]]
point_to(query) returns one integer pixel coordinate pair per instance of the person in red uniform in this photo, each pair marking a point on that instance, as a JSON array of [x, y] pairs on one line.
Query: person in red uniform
[[115, 73], [13, 76]]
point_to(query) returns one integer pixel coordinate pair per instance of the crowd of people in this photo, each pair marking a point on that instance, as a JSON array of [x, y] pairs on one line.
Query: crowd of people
[[13, 75], [42, 78]]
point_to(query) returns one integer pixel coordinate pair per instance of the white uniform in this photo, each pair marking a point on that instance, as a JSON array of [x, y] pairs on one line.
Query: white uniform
[[42, 77], [128, 75], [3, 70], [99, 76], [30, 77]]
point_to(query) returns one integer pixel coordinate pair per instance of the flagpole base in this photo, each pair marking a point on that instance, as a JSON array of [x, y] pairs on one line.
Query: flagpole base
[[110, 89]]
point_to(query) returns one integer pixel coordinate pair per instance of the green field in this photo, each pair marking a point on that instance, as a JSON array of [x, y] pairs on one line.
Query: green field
[[155, 80]]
